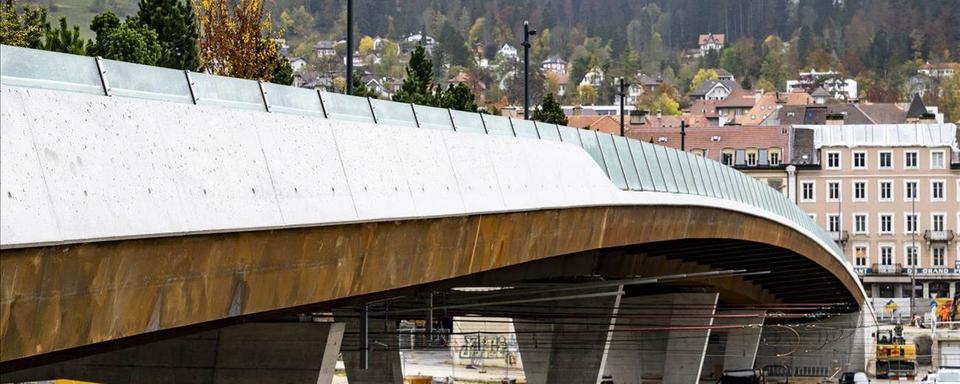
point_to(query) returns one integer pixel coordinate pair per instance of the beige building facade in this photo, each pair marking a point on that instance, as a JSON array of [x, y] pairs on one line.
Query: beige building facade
[[890, 195]]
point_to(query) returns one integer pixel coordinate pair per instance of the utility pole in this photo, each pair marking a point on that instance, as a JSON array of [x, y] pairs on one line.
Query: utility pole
[[683, 134], [623, 94], [915, 260], [349, 47], [527, 32]]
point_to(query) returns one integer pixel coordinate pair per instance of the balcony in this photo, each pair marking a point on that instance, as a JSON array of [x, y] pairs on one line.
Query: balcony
[[840, 237], [938, 236], [892, 269]]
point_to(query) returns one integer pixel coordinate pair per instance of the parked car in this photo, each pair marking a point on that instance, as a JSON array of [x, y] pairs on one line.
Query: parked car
[[854, 378], [742, 376]]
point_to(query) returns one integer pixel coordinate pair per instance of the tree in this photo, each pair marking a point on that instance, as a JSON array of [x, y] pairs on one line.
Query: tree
[[127, 41], [417, 86], [176, 27], [297, 22], [236, 41], [549, 111], [282, 72], [587, 94], [458, 96], [365, 46], [25, 29], [64, 39], [454, 46], [701, 76], [360, 89], [950, 98]]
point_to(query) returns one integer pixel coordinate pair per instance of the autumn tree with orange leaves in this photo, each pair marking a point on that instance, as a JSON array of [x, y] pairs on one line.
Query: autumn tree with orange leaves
[[236, 41]]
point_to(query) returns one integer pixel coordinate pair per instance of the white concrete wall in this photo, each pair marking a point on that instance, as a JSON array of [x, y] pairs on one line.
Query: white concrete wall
[[81, 168]]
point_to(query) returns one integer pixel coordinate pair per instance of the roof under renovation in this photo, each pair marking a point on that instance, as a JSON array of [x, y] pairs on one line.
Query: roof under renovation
[[884, 135]]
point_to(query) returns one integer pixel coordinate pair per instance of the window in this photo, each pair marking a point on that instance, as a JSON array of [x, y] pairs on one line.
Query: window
[[938, 254], [886, 190], [860, 223], [886, 223], [936, 190], [807, 191], [936, 160], [886, 159], [833, 190], [859, 190], [774, 158], [911, 255], [751, 159], [909, 190], [910, 159], [727, 158], [938, 221], [833, 223], [860, 255], [859, 159], [833, 160], [910, 222], [886, 255]]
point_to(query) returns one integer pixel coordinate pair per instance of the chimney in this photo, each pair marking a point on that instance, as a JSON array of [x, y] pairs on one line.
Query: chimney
[[577, 110], [928, 118], [659, 114], [638, 117]]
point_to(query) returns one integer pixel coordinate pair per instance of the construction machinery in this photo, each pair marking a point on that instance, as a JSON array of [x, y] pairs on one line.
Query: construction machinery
[[895, 357]]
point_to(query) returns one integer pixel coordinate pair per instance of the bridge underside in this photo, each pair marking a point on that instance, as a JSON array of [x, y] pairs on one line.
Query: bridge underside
[[101, 296]]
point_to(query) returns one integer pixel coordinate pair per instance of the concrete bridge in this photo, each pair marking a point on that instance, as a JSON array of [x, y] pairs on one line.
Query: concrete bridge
[[167, 226]]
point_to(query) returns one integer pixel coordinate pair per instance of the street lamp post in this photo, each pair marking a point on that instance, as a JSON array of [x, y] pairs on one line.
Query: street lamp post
[[527, 32], [683, 135], [623, 94], [349, 47]]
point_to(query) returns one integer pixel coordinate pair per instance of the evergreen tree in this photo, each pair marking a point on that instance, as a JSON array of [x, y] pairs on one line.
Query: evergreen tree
[[176, 28], [458, 97], [360, 89], [64, 39], [282, 72], [22, 29], [417, 86], [550, 111], [127, 41]]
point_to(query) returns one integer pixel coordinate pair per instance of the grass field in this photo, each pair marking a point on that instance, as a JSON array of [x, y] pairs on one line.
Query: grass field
[[81, 12]]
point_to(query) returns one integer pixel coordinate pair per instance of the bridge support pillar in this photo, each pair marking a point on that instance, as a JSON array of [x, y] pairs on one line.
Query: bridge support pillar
[[740, 349], [647, 344], [247, 353], [384, 366], [566, 343]]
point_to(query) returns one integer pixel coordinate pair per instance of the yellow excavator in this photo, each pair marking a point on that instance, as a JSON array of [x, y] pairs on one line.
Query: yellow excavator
[[895, 357]]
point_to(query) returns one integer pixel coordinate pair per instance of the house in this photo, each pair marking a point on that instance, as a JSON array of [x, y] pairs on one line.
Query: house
[[820, 96], [705, 109], [644, 84], [769, 103], [723, 74], [325, 48], [554, 64], [296, 63], [737, 104], [601, 123], [919, 84], [714, 90], [593, 77], [831, 81], [411, 41], [838, 114], [939, 70], [508, 52], [710, 42]]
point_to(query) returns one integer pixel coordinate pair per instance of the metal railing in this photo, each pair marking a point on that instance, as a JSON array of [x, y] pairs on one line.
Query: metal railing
[[630, 164]]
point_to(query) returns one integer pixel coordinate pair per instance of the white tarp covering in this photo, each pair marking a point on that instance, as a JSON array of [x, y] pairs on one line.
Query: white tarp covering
[[885, 135]]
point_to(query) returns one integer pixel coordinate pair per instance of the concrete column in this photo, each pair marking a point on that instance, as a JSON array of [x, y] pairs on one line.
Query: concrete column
[[647, 345], [953, 288], [926, 290], [566, 344], [248, 353], [385, 366], [792, 182], [740, 350]]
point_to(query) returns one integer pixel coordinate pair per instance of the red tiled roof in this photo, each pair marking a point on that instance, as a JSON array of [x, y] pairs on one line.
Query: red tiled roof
[[604, 123], [730, 137], [721, 38], [706, 108], [739, 98]]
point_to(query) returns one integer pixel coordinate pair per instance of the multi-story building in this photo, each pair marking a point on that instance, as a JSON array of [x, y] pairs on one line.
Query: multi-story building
[[890, 194], [832, 82]]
